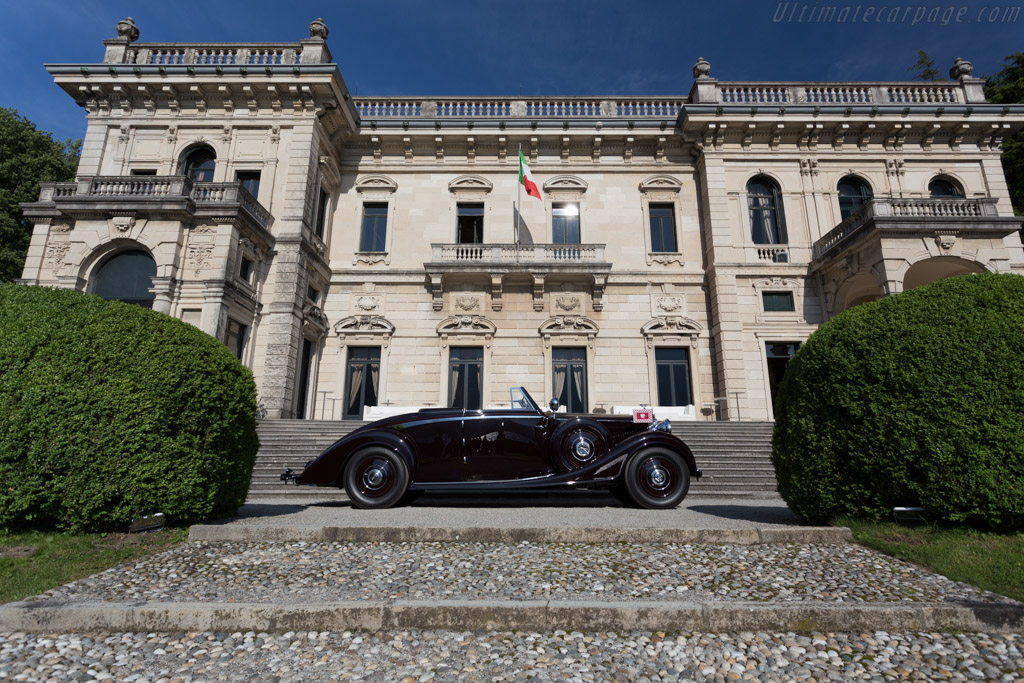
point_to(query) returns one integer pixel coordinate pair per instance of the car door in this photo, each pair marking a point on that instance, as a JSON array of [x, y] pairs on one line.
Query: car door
[[504, 445]]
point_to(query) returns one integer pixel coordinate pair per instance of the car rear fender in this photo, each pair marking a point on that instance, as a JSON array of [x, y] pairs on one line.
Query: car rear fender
[[329, 467]]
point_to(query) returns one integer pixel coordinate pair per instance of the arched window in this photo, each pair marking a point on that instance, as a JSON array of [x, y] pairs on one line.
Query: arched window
[[198, 165], [767, 222], [944, 188], [126, 276], [853, 194]]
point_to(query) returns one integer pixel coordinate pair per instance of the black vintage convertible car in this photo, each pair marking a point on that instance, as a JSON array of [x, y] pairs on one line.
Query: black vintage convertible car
[[521, 447]]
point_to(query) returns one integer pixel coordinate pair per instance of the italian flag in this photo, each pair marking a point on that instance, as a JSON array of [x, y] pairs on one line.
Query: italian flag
[[526, 178]]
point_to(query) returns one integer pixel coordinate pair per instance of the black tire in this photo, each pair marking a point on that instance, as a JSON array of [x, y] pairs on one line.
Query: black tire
[[657, 478], [376, 478], [578, 448]]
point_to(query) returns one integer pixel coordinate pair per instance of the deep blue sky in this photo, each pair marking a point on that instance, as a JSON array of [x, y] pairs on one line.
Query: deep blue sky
[[481, 47]]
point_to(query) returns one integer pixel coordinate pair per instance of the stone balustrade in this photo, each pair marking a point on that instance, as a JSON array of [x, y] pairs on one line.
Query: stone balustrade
[[374, 108], [212, 54], [759, 93], [510, 254], [153, 191], [939, 212]]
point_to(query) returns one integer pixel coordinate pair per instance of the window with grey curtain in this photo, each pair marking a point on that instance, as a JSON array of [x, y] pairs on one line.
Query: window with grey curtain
[[767, 223]]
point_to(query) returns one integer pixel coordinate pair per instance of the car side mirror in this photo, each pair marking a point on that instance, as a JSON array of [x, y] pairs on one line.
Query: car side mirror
[[554, 405]]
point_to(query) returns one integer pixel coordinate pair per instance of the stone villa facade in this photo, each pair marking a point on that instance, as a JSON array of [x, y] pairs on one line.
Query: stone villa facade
[[356, 251]]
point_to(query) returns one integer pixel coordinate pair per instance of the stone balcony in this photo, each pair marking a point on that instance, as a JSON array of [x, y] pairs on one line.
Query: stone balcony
[[155, 196], [914, 218], [534, 261]]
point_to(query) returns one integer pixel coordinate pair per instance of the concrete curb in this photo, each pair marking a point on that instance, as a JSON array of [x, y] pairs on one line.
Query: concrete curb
[[257, 533], [49, 617]]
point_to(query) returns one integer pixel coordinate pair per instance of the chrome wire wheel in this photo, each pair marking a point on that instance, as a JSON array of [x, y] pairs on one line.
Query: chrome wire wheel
[[657, 478], [578, 448]]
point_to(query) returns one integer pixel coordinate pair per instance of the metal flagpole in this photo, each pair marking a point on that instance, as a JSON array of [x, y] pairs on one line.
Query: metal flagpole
[[519, 199]]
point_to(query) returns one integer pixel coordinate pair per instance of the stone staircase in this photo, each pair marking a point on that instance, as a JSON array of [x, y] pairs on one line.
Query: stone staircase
[[735, 456]]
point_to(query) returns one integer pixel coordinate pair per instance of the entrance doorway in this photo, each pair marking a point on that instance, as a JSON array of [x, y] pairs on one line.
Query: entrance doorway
[[362, 378], [569, 371], [778, 356]]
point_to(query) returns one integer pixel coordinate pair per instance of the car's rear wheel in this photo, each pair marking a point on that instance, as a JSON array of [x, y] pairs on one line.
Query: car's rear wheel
[[376, 478], [657, 478]]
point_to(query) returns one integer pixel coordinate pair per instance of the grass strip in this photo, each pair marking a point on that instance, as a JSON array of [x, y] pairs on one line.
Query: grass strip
[[988, 560], [32, 563]]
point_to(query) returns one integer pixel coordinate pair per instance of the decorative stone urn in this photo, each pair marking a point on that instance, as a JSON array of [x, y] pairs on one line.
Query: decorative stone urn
[[961, 69], [126, 28], [702, 69], [318, 29]]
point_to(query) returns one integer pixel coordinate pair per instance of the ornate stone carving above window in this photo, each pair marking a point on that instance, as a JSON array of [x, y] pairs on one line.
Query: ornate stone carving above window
[[367, 303], [470, 187], [314, 321], [470, 325], [674, 329], [668, 304], [569, 328], [661, 188], [364, 329], [376, 183], [567, 303], [568, 187], [463, 304]]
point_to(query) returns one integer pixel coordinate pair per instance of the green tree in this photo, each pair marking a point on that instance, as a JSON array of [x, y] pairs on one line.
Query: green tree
[[1007, 87], [924, 67], [28, 156]]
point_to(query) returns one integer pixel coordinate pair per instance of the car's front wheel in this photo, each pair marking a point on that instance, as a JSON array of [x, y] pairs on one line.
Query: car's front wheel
[[657, 478], [376, 478]]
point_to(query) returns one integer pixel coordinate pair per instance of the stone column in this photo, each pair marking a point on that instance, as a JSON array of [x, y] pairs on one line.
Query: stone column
[[725, 323], [284, 292]]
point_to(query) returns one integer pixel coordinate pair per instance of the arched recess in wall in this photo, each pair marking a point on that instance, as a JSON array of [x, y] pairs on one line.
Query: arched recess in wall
[[938, 268], [858, 289], [125, 276], [853, 193]]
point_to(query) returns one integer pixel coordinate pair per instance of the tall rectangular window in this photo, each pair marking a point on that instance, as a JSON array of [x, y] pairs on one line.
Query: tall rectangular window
[[569, 372], [466, 377], [236, 337], [565, 224], [673, 370], [470, 228], [321, 214], [245, 270], [362, 379], [663, 227], [375, 226], [250, 180]]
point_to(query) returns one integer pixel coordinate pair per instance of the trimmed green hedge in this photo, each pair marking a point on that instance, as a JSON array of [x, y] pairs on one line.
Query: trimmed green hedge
[[109, 412], [913, 400]]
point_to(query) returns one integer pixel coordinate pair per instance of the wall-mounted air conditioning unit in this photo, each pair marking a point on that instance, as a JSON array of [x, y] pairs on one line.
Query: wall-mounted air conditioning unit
[[781, 256]]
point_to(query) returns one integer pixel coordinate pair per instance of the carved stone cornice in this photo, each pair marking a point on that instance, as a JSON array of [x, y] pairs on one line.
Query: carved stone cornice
[[472, 325], [670, 326], [569, 326], [368, 328]]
